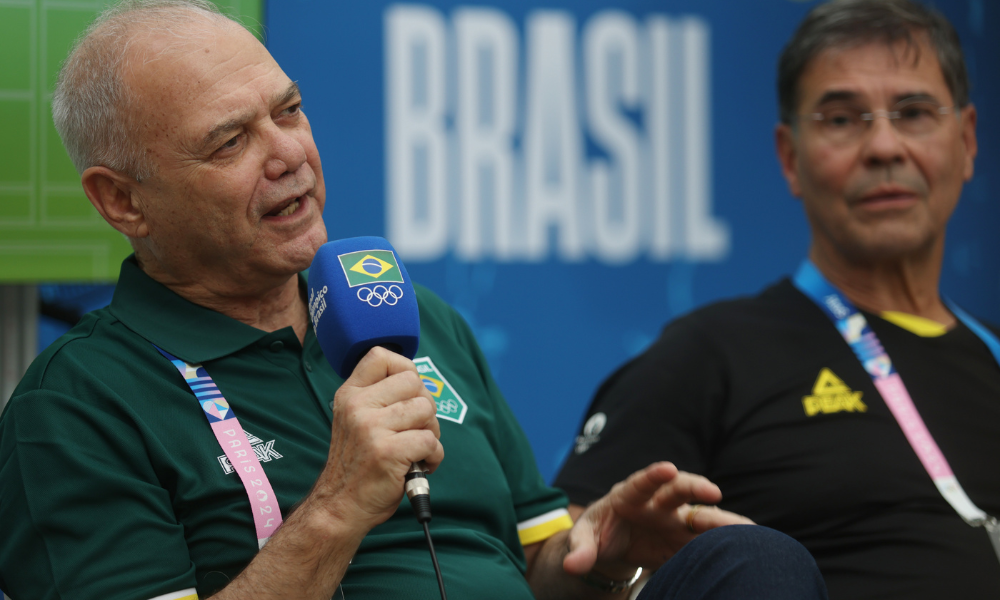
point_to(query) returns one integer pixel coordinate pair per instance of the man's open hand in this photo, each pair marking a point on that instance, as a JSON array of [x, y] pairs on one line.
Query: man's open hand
[[643, 521]]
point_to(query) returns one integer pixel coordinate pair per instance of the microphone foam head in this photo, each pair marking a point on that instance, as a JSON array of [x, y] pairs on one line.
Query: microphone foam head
[[360, 296]]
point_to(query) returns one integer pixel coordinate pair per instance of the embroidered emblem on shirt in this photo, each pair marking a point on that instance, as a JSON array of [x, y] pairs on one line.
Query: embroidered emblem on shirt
[[831, 395], [450, 405], [591, 433], [264, 450]]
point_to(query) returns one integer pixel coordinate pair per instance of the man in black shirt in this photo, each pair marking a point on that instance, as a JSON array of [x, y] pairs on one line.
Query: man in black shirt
[[767, 397], [191, 141]]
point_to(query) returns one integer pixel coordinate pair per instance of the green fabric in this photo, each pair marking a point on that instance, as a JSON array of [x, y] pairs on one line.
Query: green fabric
[[111, 485]]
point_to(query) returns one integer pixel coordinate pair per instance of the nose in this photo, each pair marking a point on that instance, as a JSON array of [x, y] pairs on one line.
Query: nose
[[285, 153], [883, 144]]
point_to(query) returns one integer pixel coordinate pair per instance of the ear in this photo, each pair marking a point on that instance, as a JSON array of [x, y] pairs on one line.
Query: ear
[[785, 143], [114, 196], [968, 125]]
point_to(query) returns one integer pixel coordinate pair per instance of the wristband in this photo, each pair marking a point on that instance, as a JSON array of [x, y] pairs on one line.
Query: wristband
[[606, 584]]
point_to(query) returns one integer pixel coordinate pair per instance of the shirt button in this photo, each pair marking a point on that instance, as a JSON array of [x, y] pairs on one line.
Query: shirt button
[[277, 346], [309, 367]]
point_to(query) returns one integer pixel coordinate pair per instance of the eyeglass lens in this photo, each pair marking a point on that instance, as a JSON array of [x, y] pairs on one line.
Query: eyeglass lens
[[846, 123]]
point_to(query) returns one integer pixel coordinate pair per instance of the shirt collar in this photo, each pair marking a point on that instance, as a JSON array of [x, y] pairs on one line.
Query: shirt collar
[[193, 333]]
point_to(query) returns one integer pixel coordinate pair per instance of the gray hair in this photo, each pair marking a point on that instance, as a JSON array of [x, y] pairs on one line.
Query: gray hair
[[852, 23], [93, 109]]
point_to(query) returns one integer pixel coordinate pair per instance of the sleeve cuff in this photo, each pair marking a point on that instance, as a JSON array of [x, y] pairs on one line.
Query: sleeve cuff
[[188, 594], [544, 526]]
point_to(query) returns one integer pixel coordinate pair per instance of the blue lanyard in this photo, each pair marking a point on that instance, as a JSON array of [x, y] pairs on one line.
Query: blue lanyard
[[811, 282], [854, 328], [977, 328]]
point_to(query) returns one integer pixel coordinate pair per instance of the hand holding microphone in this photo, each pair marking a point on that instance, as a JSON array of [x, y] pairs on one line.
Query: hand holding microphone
[[360, 297]]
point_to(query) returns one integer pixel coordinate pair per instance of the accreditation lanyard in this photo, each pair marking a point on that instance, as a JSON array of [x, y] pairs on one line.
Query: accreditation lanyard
[[855, 330], [234, 442]]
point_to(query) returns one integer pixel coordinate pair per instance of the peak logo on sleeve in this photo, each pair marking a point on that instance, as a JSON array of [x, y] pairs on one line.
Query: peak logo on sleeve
[[831, 395], [450, 405]]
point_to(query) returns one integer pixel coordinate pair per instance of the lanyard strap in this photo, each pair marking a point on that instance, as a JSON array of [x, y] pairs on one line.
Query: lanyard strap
[[866, 346], [234, 442], [977, 328]]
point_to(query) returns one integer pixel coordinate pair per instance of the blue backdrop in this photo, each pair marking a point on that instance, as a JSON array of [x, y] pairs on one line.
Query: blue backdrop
[[572, 175]]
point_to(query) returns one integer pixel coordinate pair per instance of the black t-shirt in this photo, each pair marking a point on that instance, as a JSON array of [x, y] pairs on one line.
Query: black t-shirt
[[764, 397]]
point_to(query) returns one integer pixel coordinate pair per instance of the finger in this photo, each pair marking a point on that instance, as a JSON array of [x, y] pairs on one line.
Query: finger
[[642, 485], [582, 542], [417, 445], [412, 413], [395, 388], [686, 488], [377, 365], [710, 517]]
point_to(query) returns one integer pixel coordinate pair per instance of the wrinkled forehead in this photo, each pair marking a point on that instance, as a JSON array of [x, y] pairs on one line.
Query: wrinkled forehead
[[874, 71], [180, 78]]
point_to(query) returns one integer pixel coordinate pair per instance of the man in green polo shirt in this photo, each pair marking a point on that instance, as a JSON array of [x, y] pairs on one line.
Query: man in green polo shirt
[[192, 143]]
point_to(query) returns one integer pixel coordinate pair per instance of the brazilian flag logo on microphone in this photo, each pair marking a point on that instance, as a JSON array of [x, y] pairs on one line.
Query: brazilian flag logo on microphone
[[370, 266]]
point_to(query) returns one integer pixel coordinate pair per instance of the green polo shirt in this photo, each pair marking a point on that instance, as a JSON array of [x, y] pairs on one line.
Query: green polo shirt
[[112, 485]]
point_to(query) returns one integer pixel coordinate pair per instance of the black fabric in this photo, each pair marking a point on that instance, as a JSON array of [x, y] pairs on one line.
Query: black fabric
[[721, 393]]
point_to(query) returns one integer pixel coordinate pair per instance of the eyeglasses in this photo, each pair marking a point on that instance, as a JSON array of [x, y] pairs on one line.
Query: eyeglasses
[[845, 124]]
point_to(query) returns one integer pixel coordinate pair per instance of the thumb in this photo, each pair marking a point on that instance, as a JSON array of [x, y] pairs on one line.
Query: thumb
[[582, 548]]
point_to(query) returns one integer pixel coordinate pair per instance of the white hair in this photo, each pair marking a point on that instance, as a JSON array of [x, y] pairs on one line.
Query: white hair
[[93, 109]]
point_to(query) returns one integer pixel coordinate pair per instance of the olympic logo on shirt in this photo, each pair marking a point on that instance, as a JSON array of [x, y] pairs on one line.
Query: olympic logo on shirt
[[448, 406], [380, 294]]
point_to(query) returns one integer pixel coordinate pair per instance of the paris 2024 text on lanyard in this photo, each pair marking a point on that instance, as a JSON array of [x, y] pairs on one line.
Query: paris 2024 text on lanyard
[[234, 442], [855, 330]]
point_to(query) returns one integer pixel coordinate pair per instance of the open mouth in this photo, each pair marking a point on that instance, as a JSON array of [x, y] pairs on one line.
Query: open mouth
[[287, 209]]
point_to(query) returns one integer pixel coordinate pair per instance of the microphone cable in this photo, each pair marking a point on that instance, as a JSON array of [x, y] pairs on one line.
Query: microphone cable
[[419, 492], [434, 559]]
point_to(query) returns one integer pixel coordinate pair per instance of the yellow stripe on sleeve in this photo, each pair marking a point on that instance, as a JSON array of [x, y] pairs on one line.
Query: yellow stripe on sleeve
[[188, 594], [544, 526]]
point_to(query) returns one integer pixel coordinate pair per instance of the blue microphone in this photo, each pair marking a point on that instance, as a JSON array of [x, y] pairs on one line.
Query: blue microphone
[[360, 296]]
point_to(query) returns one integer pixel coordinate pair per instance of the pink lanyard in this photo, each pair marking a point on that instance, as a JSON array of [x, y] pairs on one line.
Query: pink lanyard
[[234, 442], [854, 328]]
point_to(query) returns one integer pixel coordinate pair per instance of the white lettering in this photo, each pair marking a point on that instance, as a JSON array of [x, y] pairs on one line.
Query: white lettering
[[317, 305], [836, 306], [707, 238], [611, 46], [552, 144], [415, 140], [629, 175], [487, 87], [660, 106]]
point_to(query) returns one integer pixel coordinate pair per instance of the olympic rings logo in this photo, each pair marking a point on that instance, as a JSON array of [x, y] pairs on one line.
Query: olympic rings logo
[[380, 294], [448, 406]]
